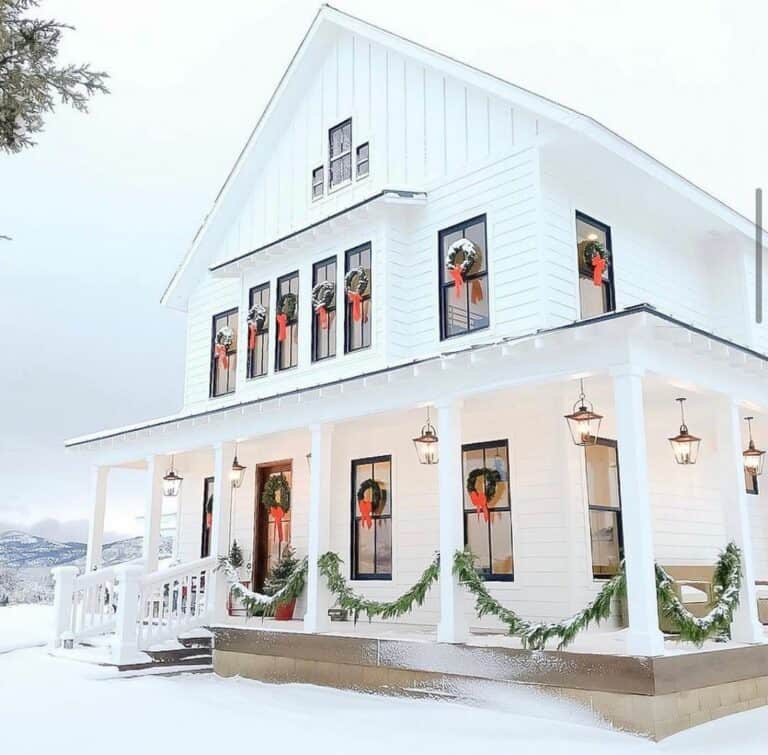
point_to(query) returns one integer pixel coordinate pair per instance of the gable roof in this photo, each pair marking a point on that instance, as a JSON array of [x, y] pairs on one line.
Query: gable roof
[[329, 17]]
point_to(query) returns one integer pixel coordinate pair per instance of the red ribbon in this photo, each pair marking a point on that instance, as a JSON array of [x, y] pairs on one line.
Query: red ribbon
[[208, 520], [458, 279], [282, 324], [598, 267], [357, 304], [252, 333], [480, 502], [277, 515], [221, 355], [366, 509], [322, 316]]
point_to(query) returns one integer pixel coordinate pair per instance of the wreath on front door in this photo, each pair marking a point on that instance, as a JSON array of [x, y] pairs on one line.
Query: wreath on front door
[[257, 316], [355, 284], [596, 256], [322, 296], [276, 497], [222, 343], [459, 270], [286, 311], [368, 506], [480, 498]]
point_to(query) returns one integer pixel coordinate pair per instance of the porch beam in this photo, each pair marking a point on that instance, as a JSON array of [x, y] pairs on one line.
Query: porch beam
[[453, 626], [99, 478], [316, 618], [644, 636], [153, 511], [223, 454]]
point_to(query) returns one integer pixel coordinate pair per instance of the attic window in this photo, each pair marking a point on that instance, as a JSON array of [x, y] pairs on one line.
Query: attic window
[[340, 154], [318, 182], [362, 160]]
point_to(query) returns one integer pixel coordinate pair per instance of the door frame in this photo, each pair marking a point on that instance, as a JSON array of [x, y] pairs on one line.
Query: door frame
[[261, 519]]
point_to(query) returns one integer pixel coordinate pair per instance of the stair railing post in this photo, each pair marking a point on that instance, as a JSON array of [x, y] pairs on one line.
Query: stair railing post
[[63, 594], [125, 648]]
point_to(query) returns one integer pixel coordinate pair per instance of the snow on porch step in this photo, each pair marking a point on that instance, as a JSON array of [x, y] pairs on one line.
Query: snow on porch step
[[197, 657]]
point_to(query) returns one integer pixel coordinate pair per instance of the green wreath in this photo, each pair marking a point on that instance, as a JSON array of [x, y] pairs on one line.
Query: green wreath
[[492, 478], [257, 316], [287, 305], [592, 249], [469, 252], [377, 494], [356, 281], [225, 336], [276, 493], [322, 295]]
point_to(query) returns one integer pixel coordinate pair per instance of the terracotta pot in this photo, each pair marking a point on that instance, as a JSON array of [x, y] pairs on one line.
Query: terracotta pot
[[284, 612]]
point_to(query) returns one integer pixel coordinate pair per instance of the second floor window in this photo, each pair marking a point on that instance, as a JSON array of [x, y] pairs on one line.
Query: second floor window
[[286, 320], [318, 182], [224, 353], [604, 501], [324, 309], [363, 160], [259, 320], [358, 285], [340, 154], [593, 242], [463, 278]]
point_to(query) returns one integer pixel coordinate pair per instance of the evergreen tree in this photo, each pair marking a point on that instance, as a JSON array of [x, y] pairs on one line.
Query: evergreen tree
[[281, 571], [235, 555], [30, 80]]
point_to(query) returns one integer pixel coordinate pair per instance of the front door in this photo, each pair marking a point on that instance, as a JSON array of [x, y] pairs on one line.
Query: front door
[[269, 539]]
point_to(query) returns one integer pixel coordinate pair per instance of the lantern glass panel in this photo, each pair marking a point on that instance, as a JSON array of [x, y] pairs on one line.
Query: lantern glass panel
[[685, 447], [426, 447], [584, 426], [172, 484], [753, 460]]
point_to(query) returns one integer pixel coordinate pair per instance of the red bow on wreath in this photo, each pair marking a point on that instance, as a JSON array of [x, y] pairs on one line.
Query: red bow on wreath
[[322, 316], [278, 514], [480, 502], [357, 305], [598, 268], [252, 333], [282, 324], [366, 510], [458, 279], [220, 352]]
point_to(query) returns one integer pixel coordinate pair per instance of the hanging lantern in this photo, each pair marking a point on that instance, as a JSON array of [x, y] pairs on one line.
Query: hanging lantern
[[426, 444], [237, 474], [685, 446], [583, 422], [753, 457], [172, 482]]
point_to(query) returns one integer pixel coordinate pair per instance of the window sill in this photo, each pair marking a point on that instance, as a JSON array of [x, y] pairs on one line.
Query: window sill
[[361, 579], [466, 333]]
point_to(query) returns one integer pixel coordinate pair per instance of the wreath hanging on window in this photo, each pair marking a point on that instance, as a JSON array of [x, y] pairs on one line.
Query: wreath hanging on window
[[322, 296], [459, 270], [480, 498], [222, 343], [286, 311], [257, 316], [368, 506], [355, 284], [276, 496], [596, 256]]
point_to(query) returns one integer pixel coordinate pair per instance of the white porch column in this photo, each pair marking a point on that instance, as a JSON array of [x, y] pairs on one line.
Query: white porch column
[[453, 626], [319, 535], [644, 637], [746, 626], [153, 511], [223, 454], [99, 476]]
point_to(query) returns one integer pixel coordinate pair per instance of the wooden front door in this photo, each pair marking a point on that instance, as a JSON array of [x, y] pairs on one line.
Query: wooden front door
[[267, 545]]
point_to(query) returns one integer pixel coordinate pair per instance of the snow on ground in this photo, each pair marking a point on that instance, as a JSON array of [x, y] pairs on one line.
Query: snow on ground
[[52, 705], [24, 626]]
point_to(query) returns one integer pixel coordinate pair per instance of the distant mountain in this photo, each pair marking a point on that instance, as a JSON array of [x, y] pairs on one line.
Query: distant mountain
[[20, 550]]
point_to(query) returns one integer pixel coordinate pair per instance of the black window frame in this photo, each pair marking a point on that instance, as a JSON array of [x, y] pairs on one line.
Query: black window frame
[[609, 287], [314, 184], [205, 533], [343, 156], [752, 485], [212, 382], [359, 161], [294, 323], [349, 323], [446, 284], [355, 573], [489, 576], [251, 374], [609, 443], [317, 331]]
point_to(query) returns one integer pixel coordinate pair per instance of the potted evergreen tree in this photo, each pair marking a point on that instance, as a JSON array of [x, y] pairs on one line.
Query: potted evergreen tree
[[277, 579]]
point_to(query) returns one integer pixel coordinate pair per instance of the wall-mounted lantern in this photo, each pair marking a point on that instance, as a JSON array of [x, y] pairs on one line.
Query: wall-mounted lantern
[[583, 422], [684, 445], [237, 473], [426, 444], [753, 457], [172, 482]]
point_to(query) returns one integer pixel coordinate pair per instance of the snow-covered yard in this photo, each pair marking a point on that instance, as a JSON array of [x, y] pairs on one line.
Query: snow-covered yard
[[53, 705]]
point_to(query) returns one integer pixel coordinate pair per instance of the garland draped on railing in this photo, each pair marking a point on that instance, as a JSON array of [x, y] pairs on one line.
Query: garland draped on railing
[[347, 599], [264, 605]]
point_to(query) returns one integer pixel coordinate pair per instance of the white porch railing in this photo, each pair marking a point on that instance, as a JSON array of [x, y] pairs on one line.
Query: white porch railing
[[85, 605]]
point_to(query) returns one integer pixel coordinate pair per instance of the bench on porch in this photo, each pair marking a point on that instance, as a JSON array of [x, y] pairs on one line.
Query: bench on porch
[[762, 600], [693, 586]]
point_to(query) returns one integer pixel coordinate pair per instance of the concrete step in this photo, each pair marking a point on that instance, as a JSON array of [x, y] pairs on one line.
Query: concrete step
[[176, 659]]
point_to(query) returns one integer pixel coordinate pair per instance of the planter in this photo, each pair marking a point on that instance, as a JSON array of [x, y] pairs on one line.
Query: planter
[[284, 612]]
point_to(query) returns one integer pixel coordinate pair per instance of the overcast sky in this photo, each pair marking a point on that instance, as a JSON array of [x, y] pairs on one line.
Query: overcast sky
[[102, 210]]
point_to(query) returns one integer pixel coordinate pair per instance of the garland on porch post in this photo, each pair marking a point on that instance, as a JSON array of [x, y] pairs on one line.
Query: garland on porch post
[[329, 564]]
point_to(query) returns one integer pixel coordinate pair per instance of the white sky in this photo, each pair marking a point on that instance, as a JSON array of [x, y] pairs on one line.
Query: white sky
[[104, 207]]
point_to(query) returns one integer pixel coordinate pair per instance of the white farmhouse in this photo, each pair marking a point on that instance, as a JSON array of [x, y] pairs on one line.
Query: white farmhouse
[[407, 241]]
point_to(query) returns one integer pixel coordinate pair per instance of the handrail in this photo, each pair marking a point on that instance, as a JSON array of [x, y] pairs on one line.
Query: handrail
[[94, 577], [163, 575]]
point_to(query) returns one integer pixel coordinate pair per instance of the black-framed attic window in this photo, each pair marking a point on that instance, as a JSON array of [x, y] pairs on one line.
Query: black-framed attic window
[[223, 356], [287, 350], [362, 160], [340, 154], [489, 535], [258, 356], [372, 545], [604, 503], [358, 318], [594, 299], [464, 308], [324, 327], [318, 182]]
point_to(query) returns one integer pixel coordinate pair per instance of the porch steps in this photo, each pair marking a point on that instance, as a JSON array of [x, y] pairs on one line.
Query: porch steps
[[195, 655]]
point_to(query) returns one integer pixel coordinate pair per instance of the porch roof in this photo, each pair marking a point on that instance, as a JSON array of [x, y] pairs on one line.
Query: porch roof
[[640, 335]]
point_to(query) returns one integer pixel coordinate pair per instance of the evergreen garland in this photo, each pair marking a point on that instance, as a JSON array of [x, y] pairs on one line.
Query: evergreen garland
[[329, 565]]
